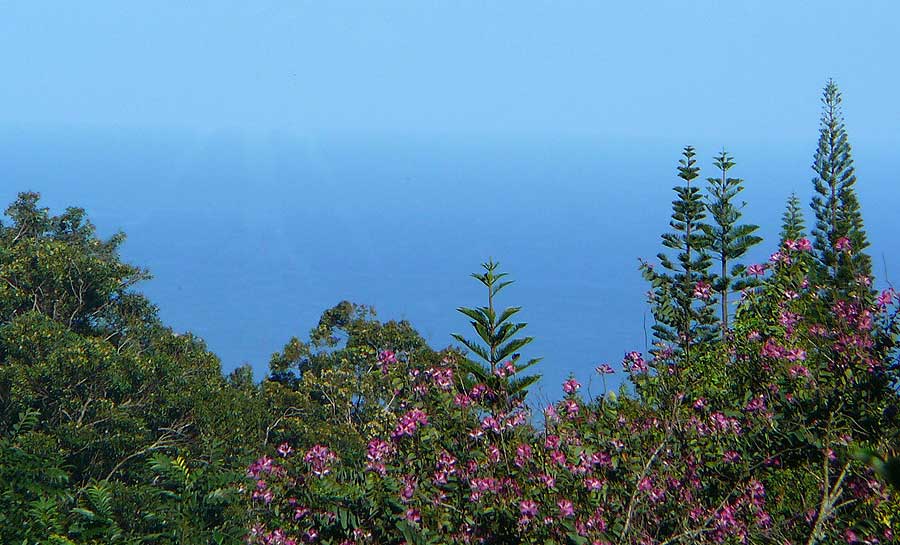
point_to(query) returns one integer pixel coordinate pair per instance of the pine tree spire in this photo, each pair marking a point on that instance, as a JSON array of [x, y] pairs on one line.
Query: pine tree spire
[[838, 235], [682, 292], [793, 226], [727, 239], [497, 344]]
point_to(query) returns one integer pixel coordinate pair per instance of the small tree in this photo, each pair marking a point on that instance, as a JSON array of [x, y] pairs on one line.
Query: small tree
[[728, 240], [838, 236], [497, 333], [793, 226], [682, 293]]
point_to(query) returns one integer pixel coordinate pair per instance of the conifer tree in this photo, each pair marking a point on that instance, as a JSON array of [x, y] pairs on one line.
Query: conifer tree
[[728, 240], [838, 235], [682, 292], [500, 348], [793, 226]]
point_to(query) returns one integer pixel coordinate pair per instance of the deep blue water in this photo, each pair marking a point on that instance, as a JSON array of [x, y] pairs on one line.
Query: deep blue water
[[251, 237]]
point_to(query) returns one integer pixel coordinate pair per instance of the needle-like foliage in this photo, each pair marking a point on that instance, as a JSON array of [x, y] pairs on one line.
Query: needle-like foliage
[[497, 342]]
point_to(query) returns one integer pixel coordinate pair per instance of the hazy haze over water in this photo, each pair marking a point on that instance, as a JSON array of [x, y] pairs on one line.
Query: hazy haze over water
[[250, 239]]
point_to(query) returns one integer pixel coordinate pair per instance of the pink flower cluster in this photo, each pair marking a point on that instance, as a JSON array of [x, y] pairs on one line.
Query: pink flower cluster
[[386, 358], [409, 423], [506, 369], [634, 363], [571, 386], [377, 452], [702, 290], [757, 269], [320, 458], [799, 245]]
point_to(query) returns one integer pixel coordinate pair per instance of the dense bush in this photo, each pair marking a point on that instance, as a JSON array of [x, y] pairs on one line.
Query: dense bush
[[750, 441]]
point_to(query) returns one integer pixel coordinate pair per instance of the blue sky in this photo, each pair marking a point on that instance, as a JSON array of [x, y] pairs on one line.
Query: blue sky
[[712, 70], [269, 159]]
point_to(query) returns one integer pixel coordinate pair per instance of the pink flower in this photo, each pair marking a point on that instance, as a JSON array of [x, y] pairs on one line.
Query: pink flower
[[757, 404], [478, 391], [557, 457], [842, 244], [551, 442], [376, 452], [319, 458], [442, 377], [523, 454], [490, 423], [886, 297], [799, 245], [262, 465], [409, 488], [702, 290], [788, 319], [550, 413], [413, 515], [757, 269], [528, 508], [731, 456], [601, 458], [645, 484], [493, 453], [571, 386], [507, 369], [795, 354], [566, 509], [771, 349], [386, 358], [548, 480], [409, 423], [285, 449], [604, 369], [634, 363]]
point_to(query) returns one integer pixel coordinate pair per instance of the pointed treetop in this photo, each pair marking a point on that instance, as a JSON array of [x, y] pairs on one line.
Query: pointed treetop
[[793, 226], [838, 234], [728, 239], [687, 166], [495, 343]]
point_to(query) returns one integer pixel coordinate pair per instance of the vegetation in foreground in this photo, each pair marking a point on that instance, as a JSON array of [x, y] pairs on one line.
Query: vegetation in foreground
[[766, 412]]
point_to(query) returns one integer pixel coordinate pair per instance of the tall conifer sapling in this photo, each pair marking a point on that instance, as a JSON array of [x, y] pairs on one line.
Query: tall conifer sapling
[[838, 236]]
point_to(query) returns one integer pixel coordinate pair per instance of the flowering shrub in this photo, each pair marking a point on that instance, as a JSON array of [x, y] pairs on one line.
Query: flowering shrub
[[749, 441]]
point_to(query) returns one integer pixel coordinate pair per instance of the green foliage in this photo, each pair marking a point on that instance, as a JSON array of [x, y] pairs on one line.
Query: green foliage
[[102, 382], [194, 501], [326, 389], [886, 468], [33, 485]]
